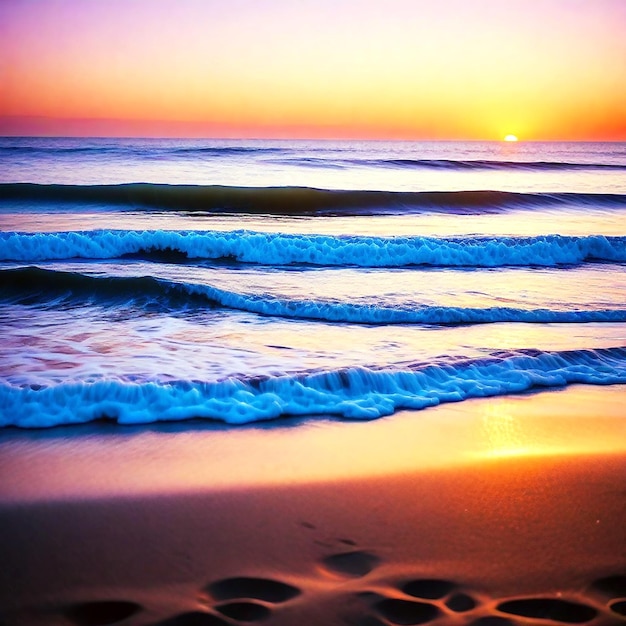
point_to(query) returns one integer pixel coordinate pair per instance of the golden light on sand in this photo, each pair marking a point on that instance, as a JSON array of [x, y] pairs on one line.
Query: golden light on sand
[[510, 138]]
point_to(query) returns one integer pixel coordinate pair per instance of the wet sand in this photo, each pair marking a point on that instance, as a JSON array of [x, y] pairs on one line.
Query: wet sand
[[500, 511]]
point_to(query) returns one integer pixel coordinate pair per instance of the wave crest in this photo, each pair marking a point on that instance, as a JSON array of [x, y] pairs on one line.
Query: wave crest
[[36, 285], [297, 200], [355, 393], [279, 249]]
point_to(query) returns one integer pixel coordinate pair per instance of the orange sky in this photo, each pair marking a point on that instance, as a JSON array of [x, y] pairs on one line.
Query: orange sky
[[405, 69]]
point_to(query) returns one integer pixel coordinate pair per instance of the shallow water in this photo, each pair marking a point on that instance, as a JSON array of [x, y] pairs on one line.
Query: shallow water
[[141, 303]]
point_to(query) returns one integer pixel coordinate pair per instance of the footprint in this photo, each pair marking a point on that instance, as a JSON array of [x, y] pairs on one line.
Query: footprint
[[614, 586], [406, 611], [460, 603], [355, 564], [429, 589], [563, 611], [619, 607], [244, 611], [101, 613], [265, 589], [194, 618]]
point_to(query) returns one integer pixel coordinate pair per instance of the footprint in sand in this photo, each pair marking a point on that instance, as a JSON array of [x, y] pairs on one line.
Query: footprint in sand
[[612, 586], [265, 589], [612, 589], [250, 599], [461, 603], [355, 564], [194, 618], [556, 610], [619, 607], [241, 599], [101, 613], [406, 611], [434, 599], [244, 611], [428, 589], [246, 599]]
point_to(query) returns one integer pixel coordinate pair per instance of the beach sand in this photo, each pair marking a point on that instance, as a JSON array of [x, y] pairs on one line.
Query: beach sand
[[509, 510]]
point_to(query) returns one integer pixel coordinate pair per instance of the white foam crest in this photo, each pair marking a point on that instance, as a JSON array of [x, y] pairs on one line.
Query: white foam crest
[[284, 249], [355, 313], [355, 393]]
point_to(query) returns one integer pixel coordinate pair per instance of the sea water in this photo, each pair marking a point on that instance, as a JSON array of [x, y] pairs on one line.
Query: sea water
[[145, 280]]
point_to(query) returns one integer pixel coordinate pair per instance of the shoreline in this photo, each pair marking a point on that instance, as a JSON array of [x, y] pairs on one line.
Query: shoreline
[[96, 460], [515, 505]]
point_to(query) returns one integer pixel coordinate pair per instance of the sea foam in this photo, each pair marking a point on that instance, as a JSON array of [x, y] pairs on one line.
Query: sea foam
[[21, 285], [354, 393], [283, 249]]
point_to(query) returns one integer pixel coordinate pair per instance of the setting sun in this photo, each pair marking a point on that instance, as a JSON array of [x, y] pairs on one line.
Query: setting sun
[[510, 138]]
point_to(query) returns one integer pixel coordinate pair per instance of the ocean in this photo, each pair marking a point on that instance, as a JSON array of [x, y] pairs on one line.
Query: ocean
[[144, 280]]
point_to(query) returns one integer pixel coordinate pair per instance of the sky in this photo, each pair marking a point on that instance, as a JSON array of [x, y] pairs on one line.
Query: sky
[[384, 69]]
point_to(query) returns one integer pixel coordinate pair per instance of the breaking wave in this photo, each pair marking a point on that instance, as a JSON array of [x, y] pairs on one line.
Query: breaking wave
[[353, 393], [454, 164], [279, 249], [34, 285]]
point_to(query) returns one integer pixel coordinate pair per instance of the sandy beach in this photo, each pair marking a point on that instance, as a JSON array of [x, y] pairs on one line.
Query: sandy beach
[[501, 511], [312, 313]]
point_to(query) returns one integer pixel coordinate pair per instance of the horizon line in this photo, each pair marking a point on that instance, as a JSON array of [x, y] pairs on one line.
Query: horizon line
[[301, 138]]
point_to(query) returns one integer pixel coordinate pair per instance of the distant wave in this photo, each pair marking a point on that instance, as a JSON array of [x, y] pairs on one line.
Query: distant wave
[[450, 164], [33, 285], [297, 200], [47, 150], [353, 393], [287, 155], [225, 150], [138, 150], [480, 164], [277, 249]]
